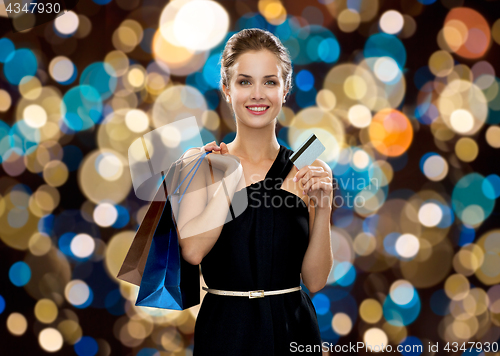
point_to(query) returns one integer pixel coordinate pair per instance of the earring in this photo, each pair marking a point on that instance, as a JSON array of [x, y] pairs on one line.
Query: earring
[[227, 99], [284, 101]]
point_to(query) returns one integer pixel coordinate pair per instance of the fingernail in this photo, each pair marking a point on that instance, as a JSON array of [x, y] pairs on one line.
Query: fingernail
[[294, 179], [303, 192]]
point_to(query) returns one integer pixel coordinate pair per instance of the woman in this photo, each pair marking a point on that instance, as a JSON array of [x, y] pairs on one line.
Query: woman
[[281, 236]]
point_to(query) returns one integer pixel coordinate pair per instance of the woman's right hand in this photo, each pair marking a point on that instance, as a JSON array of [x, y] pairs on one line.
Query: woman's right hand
[[212, 146], [220, 157]]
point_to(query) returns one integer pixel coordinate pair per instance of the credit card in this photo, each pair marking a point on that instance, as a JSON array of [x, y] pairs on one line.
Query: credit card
[[307, 153]]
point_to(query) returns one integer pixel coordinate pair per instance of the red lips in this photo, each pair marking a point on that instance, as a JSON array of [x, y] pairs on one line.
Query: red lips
[[257, 112]]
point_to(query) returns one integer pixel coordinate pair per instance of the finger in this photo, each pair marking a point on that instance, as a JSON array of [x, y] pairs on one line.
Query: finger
[[310, 174], [309, 183], [318, 172], [224, 149], [318, 183], [211, 146], [300, 174], [322, 185]]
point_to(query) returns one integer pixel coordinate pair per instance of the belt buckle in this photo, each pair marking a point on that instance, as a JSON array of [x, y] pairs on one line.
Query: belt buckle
[[260, 295]]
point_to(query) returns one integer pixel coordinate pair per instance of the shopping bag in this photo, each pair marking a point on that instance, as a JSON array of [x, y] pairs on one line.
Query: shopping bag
[[135, 261], [156, 151], [133, 266], [169, 282]]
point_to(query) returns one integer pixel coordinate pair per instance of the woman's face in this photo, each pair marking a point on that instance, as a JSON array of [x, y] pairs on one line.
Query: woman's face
[[256, 90]]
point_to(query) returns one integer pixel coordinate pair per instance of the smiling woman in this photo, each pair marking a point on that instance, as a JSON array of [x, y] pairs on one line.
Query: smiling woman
[[280, 237], [258, 94], [255, 89]]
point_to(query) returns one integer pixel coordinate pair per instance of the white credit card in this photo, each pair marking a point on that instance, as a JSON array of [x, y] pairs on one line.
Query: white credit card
[[307, 153]]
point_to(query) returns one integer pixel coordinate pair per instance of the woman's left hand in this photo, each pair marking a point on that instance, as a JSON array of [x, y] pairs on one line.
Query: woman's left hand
[[316, 182]]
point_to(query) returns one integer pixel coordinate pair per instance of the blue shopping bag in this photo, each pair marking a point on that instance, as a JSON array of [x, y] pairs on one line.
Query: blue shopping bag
[[169, 282]]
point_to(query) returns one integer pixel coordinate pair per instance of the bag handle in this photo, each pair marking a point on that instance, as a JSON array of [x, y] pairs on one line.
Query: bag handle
[[175, 163], [183, 158], [197, 165], [194, 159], [224, 186]]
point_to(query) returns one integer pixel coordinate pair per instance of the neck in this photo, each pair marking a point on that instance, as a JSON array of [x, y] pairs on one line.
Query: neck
[[255, 145]]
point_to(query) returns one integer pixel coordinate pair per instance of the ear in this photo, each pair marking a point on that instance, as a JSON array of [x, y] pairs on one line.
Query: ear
[[285, 93], [225, 90]]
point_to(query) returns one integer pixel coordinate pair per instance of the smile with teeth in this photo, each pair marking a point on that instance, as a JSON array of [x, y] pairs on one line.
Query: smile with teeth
[[258, 108]]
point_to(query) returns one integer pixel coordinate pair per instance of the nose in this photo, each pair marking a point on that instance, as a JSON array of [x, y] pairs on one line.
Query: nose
[[257, 92]]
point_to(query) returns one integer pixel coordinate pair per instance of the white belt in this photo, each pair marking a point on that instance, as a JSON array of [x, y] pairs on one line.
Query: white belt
[[251, 294]]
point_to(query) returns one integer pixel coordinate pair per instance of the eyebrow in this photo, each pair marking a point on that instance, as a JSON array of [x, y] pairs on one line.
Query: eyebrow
[[249, 76]]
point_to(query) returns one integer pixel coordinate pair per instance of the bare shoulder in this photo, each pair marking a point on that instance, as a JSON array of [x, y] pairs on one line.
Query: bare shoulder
[[190, 157], [191, 151]]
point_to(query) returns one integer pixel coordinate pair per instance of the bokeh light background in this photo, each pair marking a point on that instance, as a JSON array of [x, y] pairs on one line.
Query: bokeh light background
[[404, 94]]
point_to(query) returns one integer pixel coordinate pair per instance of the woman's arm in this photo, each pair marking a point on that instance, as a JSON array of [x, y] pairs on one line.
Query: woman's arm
[[199, 223], [318, 259]]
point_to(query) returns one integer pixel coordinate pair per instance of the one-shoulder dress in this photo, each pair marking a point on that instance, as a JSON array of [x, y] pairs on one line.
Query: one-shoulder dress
[[261, 249]]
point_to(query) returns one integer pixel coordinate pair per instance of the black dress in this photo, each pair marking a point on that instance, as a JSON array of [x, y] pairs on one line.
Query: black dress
[[263, 248]]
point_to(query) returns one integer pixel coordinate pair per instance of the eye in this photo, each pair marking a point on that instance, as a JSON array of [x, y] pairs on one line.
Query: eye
[[243, 81], [271, 81]]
